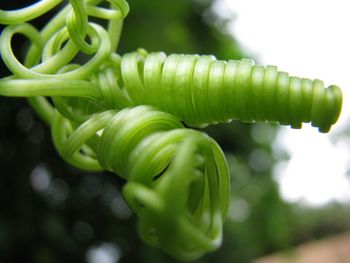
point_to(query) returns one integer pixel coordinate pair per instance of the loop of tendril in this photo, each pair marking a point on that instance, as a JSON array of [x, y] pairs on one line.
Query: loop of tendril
[[201, 90], [177, 178], [125, 114], [27, 13]]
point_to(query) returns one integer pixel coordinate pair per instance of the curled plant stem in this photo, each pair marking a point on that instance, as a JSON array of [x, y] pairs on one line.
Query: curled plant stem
[[177, 178], [125, 114], [27, 13]]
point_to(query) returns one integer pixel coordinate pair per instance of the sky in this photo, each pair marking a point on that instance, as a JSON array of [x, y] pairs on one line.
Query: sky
[[306, 38]]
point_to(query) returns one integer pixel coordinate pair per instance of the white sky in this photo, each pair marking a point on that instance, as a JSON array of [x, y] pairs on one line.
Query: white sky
[[307, 38]]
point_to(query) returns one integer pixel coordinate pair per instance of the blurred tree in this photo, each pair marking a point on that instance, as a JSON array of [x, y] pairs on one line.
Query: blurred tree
[[51, 212]]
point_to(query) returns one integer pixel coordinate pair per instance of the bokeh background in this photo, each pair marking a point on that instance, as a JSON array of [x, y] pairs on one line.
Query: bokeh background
[[51, 212]]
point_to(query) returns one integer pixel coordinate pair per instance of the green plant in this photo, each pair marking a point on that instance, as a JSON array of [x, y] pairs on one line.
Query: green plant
[[125, 114]]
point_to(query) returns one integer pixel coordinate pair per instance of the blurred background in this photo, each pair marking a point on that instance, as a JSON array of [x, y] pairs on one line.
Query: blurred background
[[289, 187]]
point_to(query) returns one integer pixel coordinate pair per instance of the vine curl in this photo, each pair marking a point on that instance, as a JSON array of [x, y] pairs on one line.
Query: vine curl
[[125, 114], [201, 90], [177, 178]]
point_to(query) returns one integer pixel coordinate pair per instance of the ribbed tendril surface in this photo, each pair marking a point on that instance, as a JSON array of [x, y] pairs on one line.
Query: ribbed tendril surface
[[202, 90], [124, 114]]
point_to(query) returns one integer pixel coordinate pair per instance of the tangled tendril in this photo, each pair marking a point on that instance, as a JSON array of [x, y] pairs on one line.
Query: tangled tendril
[[178, 180], [124, 114]]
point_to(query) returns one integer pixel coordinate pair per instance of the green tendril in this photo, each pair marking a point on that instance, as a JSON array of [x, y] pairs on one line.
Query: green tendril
[[125, 114], [27, 13]]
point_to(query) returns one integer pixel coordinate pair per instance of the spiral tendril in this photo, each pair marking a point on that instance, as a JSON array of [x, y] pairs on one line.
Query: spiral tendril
[[201, 90], [177, 178], [125, 114]]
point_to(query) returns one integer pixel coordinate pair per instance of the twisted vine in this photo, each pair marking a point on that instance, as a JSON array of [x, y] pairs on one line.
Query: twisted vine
[[124, 114]]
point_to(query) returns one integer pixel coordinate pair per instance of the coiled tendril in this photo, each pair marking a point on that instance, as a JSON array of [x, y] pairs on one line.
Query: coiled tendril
[[178, 180], [124, 114], [201, 90]]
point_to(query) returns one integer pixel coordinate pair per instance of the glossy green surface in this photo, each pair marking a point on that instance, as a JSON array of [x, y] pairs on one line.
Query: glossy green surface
[[124, 114]]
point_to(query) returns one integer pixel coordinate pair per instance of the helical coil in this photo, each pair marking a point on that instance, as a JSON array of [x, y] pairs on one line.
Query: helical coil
[[201, 90], [125, 114], [177, 178]]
